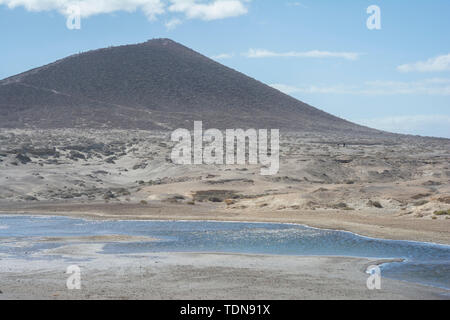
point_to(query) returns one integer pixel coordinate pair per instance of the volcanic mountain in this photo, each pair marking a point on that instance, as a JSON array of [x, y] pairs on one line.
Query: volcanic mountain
[[156, 85]]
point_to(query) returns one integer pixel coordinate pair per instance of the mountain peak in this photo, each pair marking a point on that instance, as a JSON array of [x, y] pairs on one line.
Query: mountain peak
[[161, 41], [159, 84]]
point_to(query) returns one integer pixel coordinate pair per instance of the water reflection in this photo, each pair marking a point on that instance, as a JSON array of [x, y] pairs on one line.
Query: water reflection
[[425, 263]]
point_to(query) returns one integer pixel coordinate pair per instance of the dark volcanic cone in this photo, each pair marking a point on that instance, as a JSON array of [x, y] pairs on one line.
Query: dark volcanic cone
[[158, 84]]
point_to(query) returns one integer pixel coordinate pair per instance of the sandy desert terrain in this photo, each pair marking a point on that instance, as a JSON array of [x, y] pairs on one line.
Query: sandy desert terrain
[[396, 188], [389, 188]]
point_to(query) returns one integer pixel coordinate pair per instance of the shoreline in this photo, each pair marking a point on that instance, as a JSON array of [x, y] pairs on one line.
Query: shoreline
[[360, 223], [354, 272], [378, 262], [89, 217]]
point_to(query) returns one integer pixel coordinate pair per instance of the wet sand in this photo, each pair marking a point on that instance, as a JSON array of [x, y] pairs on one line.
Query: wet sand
[[192, 275], [101, 239], [201, 276]]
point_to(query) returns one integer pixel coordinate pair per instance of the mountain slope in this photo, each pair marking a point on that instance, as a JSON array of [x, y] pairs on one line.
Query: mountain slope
[[158, 84]]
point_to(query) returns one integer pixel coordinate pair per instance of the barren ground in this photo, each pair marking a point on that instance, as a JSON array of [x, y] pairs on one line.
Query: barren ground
[[392, 188], [396, 189]]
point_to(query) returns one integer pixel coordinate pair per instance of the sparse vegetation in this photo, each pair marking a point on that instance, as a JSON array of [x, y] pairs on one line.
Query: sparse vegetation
[[375, 204], [215, 195], [442, 212], [445, 199], [341, 205], [420, 196], [420, 203], [229, 202]]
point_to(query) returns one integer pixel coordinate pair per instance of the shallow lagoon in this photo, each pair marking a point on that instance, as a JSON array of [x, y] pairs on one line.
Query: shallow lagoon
[[424, 262]]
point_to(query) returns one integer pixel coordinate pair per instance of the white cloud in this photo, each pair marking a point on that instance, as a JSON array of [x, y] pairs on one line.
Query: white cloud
[[337, 89], [173, 23], [223, 56], [88, 8], [440, 63], [263, 53], [218, 9], [296, 4], [192, 9], [436, 86], [430, 125]]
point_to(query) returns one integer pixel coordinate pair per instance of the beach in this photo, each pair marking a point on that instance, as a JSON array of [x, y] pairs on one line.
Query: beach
[[114, 267], [195, 276]]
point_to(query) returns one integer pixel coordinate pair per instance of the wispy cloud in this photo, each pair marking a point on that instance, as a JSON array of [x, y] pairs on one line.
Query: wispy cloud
[[436, 125], [336, 89], [436, 86], [218, 9], [296, 4], [173, 23], [437, 64], [88, 8], [263, 53], [191, 9], [223, 56]]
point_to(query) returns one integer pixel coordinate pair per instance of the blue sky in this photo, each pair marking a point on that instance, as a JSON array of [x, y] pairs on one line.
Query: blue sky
[[319, 51]]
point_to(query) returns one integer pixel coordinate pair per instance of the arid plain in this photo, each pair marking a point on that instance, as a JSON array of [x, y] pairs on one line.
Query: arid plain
[[385, 188], [393, 188]]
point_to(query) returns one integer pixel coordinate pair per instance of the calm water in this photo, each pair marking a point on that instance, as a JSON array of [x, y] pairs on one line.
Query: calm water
[[425, 263]]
